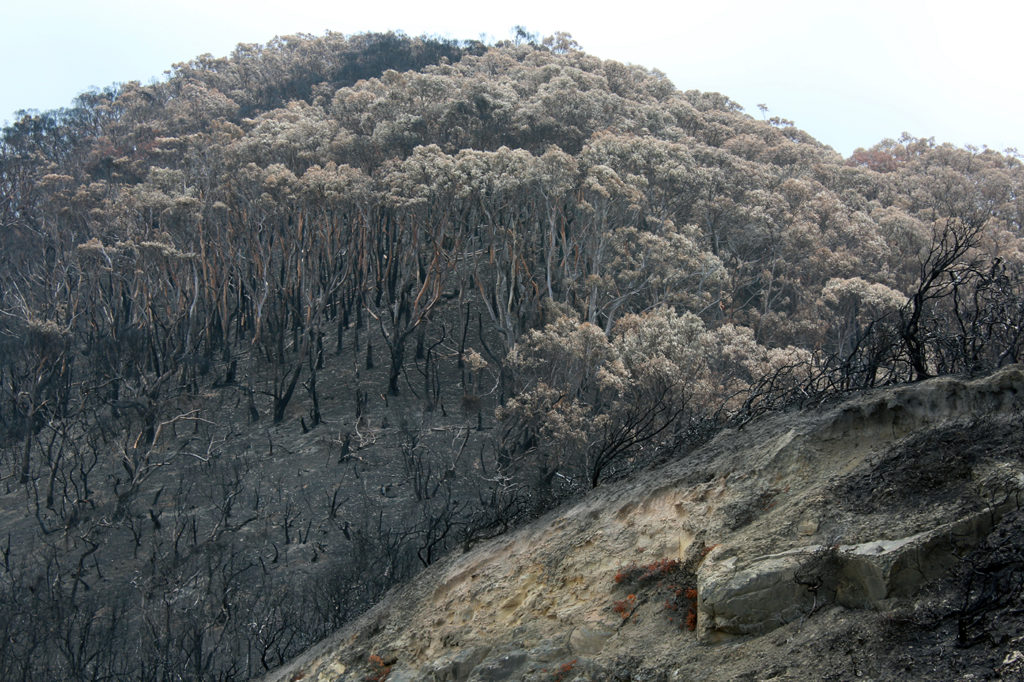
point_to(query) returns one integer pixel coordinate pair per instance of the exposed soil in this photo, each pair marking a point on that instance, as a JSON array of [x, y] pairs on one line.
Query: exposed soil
[[543, 603], [927, 468]]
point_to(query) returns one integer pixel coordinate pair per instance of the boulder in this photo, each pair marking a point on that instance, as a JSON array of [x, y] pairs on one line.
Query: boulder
[[758, 595]]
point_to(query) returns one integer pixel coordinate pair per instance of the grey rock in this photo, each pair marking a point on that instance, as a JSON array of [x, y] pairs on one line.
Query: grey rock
[[750, 600], [588, 641], [506, 666], [548, 652], [405, 675], [769, 591], [457, 666]]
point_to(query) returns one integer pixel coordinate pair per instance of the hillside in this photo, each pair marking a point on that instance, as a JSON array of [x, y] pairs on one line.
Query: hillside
[[879, 538], [283, 330]]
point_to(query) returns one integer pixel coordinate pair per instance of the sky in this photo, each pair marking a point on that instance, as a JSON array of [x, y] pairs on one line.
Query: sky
[[849, 73]]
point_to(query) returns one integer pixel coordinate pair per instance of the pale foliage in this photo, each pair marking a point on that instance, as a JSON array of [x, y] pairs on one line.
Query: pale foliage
[[860, 298], [659, 369]]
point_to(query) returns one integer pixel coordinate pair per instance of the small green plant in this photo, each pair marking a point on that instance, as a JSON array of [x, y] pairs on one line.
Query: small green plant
[[564, 670], [648, 574], [379, 670], [672, 579], [625, 607]]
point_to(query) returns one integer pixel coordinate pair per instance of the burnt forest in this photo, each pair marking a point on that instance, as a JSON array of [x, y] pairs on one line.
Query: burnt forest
[[285, 328]]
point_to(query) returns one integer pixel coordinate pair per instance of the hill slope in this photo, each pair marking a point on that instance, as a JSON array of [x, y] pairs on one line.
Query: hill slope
[[877, 538], [279, 332]]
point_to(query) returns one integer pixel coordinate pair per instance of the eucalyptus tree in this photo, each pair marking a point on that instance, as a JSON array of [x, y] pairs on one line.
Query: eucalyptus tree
[[416, 249], [336, 214], [506, 253]]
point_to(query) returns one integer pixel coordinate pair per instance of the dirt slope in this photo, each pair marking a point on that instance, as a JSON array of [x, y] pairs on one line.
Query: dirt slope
[[878, 538]]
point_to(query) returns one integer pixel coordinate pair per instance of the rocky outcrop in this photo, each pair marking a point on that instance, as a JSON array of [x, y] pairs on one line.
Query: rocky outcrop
[[769, 591], [778, 543]]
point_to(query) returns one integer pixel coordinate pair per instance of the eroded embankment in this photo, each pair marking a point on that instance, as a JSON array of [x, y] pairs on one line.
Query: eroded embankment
[[771, 523]]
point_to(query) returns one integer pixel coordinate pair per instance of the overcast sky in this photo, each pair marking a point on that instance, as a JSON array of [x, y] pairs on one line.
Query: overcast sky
[[849, 73]]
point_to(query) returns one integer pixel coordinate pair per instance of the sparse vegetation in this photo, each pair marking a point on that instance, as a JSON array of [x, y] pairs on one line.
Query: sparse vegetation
[[379, 670], [564, 670], [672, 581]]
